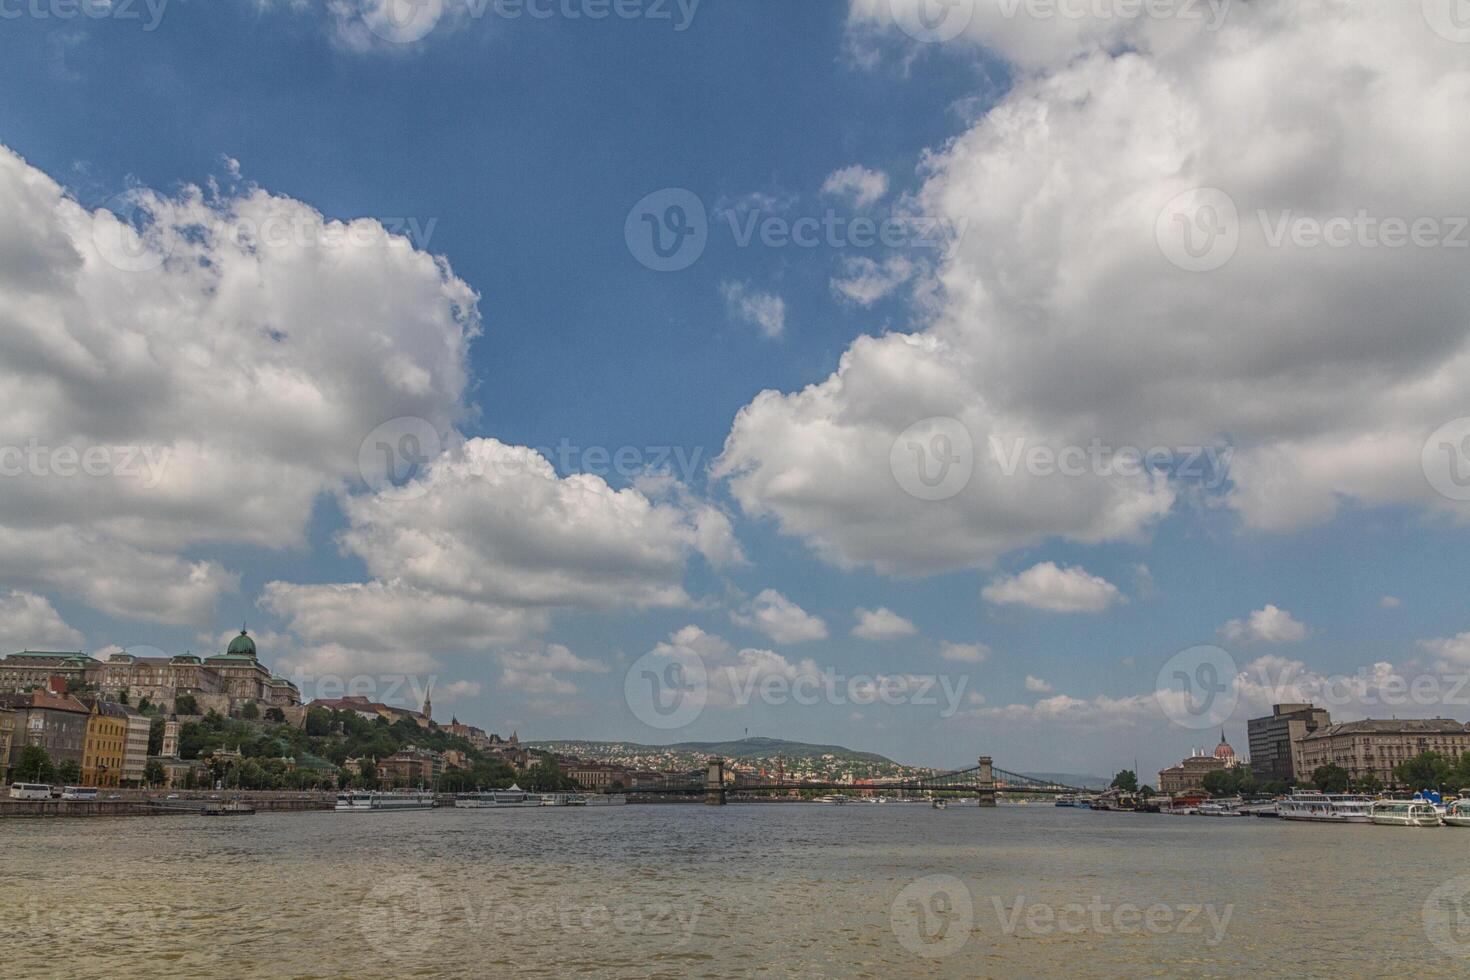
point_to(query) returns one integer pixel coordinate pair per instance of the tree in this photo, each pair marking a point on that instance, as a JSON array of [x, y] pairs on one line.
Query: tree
[[250, 712], [154, 774], [69, 772], [185, 704], [368, 773], [1330, 778], [34, 766], [1369, 784], [318, 722], [1126, 780], [155, 736], [122, 696], [275, 714], [1427, 770]]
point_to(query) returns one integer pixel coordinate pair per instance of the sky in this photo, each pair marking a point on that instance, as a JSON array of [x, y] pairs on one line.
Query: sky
[[1063, 383]]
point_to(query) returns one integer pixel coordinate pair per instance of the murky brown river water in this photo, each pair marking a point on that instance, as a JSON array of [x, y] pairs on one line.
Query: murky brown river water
[[768, 890]]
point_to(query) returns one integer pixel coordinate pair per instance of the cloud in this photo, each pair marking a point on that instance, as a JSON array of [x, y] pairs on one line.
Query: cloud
[[1390, 602], [1453, 651], [221, 357], [540, 673], [881, 624], [30, 622], [1066, 184], [1037, 686], [965, 653], [1266, 625], [765, 311], [455, 692], [779, 618], [857, 184], [865, 281], [1051, 588]]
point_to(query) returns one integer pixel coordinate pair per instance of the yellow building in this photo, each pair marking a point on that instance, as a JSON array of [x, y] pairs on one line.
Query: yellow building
[[106, 745]]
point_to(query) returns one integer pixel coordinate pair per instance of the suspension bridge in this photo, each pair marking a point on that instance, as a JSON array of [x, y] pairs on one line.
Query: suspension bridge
[[983, 781]]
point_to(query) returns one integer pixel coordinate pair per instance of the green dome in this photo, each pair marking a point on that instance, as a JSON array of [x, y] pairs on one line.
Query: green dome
[[242, 645]]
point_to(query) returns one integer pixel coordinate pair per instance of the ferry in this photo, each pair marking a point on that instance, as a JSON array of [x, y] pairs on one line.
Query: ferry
[[1457, 814], [1325, 808], [230, 808], [497, 799], [368, 802], [563, 799], [1221, 808], [607, 799], [1067, 801], [1404, 813]]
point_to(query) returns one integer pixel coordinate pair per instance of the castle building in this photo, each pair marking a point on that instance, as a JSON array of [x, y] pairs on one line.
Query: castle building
[[1190, 773], [221, 683]]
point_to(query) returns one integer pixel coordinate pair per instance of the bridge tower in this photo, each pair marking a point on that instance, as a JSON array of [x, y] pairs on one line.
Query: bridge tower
[[714, 783], [985, 780]]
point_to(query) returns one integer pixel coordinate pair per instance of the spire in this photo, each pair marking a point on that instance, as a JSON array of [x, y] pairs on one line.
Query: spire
[[428, 706]]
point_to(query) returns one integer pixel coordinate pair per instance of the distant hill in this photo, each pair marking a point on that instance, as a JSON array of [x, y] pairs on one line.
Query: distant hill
[[1071, 779], [745, 748]]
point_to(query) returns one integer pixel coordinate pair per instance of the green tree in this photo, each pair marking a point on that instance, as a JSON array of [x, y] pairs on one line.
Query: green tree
[[318, 722], [34, 766], [250, 712], [1126, 780], [1330, 778], [69, 771], [185, 704], [155, 736], [154, 774], [275, 714], [122, 696], [1427, 770], [1368, 784], [367, 773]]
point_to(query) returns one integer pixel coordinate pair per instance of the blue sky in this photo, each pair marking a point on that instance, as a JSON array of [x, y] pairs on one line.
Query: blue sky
[[515, 150]]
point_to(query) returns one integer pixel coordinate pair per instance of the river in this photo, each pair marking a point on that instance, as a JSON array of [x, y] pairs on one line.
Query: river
[[775, 890]]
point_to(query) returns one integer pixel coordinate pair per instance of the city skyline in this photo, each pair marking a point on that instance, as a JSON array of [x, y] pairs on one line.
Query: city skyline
[[833, 396]]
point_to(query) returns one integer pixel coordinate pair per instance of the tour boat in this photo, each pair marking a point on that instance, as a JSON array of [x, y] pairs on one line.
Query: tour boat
[[1325, 807], [1221, 808], [607, 799], [1458, 813], [498, 799], [1404, 813], [1067, 801], [368, 802], [563, 799], [230, 808]]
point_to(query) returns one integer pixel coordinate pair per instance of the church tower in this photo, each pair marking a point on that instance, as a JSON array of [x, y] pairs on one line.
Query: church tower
[[428, 705]]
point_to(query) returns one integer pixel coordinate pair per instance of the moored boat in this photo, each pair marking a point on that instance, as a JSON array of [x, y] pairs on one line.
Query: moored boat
[[1457, 814], [1221, 808], [373, 802], [607, 799], [230, 808], [1325, 807], [1404, 813], [498, 799]]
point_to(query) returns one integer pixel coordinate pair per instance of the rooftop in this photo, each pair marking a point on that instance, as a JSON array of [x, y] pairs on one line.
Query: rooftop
[[1391, 726]]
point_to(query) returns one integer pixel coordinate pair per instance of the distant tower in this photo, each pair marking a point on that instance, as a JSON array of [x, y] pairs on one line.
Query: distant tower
[[428, 705]]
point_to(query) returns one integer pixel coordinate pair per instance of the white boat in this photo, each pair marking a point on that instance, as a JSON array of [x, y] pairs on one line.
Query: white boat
[[1404, 813], [1325, 807], [563, 799], [1221, 808], [1458, 812], [607, 799], [368, 802], [497, 799]]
